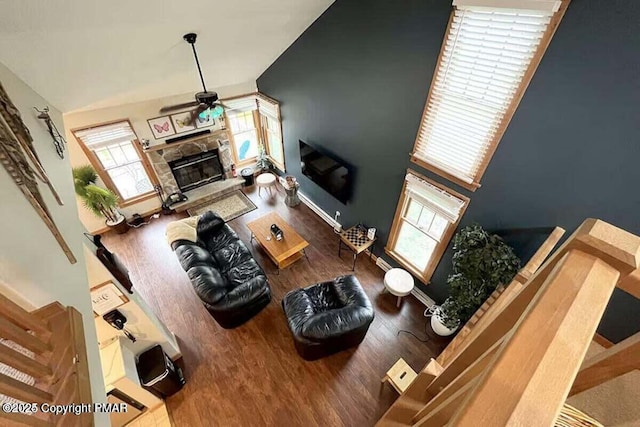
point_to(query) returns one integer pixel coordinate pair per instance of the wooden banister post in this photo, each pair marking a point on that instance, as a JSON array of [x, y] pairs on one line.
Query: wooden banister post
[[533, 371], [611, 363]]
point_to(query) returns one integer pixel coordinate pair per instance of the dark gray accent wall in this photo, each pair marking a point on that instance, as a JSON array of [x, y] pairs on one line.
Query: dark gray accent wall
[[356, 81]]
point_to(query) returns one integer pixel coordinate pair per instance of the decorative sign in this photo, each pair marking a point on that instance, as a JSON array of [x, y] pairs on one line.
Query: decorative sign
[[106, 297]]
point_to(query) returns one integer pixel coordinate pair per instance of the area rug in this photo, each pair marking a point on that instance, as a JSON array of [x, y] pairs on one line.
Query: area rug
[[230, 206]]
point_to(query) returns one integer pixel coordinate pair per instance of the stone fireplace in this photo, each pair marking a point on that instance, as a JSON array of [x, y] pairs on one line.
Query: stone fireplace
[[197, 170], [190, 163]]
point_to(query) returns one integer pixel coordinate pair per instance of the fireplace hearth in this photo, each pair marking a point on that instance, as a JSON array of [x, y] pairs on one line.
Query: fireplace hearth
[[197, 170]]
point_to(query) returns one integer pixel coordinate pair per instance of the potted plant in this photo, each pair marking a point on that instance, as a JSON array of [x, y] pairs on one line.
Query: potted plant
[[481, 263], [101, 201], [263, 163]]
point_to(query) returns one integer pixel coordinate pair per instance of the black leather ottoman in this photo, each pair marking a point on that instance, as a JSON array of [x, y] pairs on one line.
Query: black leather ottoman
[[328, 317]]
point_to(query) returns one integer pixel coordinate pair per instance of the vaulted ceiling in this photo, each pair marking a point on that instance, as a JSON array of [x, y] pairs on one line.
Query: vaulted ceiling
[[79, 53]]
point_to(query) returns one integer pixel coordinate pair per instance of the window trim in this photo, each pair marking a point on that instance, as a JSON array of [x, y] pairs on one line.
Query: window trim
[[104, 176], [424, 276], [260, 131], [522, 88], [264, 134]]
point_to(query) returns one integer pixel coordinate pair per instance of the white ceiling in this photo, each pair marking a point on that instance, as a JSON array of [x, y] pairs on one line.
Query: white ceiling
[[76, 53]]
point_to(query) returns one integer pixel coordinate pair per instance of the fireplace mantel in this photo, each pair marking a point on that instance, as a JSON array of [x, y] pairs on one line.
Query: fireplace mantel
[[215, 133]]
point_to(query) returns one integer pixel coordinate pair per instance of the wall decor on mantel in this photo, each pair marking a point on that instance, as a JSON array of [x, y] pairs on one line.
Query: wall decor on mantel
[[161, 127], [16, 145]]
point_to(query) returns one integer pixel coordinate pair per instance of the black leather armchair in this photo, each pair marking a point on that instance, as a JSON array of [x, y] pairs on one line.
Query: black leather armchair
[[328, 317], [230, 283]]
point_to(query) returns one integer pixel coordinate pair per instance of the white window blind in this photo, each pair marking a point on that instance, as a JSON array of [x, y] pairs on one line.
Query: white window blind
[[246, 103], [485, 57], [100, 137], [438, 200], [268, 108]]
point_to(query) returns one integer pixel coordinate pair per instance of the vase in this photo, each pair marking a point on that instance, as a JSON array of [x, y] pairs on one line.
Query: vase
[[438, 326]]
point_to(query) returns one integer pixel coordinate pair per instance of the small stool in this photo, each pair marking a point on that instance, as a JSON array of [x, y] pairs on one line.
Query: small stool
[[400, 376], [266, 180], [398, 282]]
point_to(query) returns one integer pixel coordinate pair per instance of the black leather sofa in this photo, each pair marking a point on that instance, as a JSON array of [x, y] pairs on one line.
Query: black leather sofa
[[230, 283], [328, 317]]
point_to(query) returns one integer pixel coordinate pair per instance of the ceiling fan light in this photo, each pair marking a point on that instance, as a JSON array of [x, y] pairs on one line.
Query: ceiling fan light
[[216, 111]]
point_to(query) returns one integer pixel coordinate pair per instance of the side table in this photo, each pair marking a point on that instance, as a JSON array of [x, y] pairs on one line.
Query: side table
[[357, 241], [398, 282], [266, 180]]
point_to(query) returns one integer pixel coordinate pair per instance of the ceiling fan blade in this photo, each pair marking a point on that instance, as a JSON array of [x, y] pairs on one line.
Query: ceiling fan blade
[[179, 106], [195, 113], [226, 107]]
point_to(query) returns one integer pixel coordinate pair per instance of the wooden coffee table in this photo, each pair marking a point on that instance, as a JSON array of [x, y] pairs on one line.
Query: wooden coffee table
[[285, 252]]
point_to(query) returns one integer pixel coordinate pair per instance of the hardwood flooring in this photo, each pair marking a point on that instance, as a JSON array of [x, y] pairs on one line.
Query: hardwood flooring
[[252, 375]]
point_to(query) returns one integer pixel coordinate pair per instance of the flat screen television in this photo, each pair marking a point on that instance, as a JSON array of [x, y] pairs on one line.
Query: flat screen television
[[331, 174]]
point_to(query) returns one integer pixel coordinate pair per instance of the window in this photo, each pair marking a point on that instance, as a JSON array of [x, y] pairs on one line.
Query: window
[[254, 121], [487, 59], [425, 220], [245, 135], [115, 154], [270, 124]]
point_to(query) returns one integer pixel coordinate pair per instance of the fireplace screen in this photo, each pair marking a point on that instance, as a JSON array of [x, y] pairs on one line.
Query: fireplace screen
[[197, 170]]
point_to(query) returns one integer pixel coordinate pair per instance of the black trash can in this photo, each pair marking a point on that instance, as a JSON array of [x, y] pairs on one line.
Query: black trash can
[[247, 174], [158, 373]]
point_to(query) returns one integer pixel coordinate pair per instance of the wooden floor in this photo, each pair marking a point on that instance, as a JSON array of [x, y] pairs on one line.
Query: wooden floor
[[252, 375]]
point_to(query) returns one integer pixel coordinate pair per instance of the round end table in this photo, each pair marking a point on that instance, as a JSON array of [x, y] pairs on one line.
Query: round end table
[[398, 282], [266, 180]]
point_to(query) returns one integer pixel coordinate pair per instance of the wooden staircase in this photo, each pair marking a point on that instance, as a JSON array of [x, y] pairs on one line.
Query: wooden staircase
[[519, 358], [56, 360]]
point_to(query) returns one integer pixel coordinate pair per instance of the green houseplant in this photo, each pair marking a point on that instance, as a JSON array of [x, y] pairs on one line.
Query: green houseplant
[[481, 263], [263, 163], [101, 201]]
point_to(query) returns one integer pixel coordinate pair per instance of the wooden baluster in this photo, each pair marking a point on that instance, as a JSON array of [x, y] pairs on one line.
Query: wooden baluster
[[25, 364], [23, 318], [10, 331], [611, 363]]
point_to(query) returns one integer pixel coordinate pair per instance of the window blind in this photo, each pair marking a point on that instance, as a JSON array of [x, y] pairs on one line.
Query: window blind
[[102, 136], [484, 59], [246, 103], [439, 200], [268, 108]]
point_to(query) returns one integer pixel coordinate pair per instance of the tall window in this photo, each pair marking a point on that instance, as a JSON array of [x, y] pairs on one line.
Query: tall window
[[488, 57], [245, 135], [254, 121], [271, 128], [425, 220], [115, 154]]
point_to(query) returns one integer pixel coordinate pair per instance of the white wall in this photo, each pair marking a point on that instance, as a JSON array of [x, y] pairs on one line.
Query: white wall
[[137, 113], [141, 320], [32, 263]]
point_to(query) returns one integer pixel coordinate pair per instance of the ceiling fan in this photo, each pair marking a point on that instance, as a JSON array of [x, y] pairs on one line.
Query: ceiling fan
[[206, 103]]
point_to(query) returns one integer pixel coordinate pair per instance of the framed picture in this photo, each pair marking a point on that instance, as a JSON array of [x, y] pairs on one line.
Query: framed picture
[[106, 297], [181, 122], [161, 127], [204, 123]]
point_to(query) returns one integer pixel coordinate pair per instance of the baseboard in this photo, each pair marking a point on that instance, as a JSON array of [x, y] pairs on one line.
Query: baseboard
[[420, 296], [143, 215], [318, 210]]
